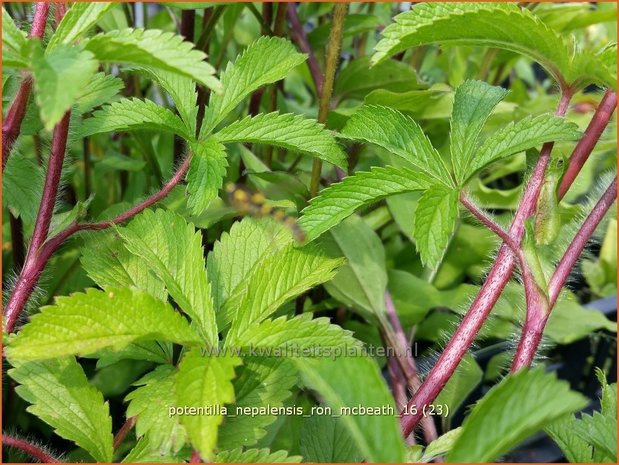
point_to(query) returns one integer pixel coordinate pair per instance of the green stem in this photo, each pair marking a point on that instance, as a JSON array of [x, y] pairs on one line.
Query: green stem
[[333, 53]]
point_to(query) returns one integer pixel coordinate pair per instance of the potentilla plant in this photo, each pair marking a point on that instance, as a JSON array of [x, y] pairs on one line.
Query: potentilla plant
[[219, 324]]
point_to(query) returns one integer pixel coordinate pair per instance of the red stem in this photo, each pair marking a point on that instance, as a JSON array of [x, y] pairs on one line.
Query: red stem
[[592, 134], [486, 298], [123, 431], [298, 34], [536, 320], [15, 115], [28, 448]]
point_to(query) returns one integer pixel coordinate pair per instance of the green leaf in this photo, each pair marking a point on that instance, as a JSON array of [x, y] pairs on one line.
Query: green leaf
[[362, 281], [601, 432], [101, 89], [340, 200], [256, 456], [238, 251], [61, 396], [22, 187], [357, 79], [276, 280], [155, 49], [267, 60], [172, 248], [296, 333], [80, 17], [110, 264], [291, 132], [519, 136], [435, 220], [473, 103], [261, 382], [204, 381], [151, 403], [206, 173], [502, 26], [130, 115], [492, 429], [143, 453], [575, 447], [398, 134], [353, 382], [60, 76], [441, 445], [86, 322], [327, 440], [14, 41]]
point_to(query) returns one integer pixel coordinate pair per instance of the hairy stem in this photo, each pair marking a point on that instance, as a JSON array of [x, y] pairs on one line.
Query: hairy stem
[[333, 55], [28, 448], [536, 321], [33, 268], [592, 134], [488, 295], [11, 126]]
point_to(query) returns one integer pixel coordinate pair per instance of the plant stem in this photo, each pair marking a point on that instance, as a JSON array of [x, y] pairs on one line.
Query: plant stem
[[333, 55], [536, 321], [33, 268], [592, 134], [408, 366], [28, 448], [188, 21], [298, 35], [488, 295], [15, 115], [123, 431]]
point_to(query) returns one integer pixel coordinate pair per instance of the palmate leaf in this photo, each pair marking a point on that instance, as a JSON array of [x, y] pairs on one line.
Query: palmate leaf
[[435, 219], [340, 200], [61, 396], [14, 53], [204, 381], [291, 132], [79, 18], [261, 381], [276, 280], [151, 402], [351, 382], [133, 114], [299, 332], [60, 76], [519, 136], [519, 406], [155, 49], [256, 456], [400, 135], [86, 322], [473, 103], [267, 60], [172, 249], [206, 173], [237, 251]]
